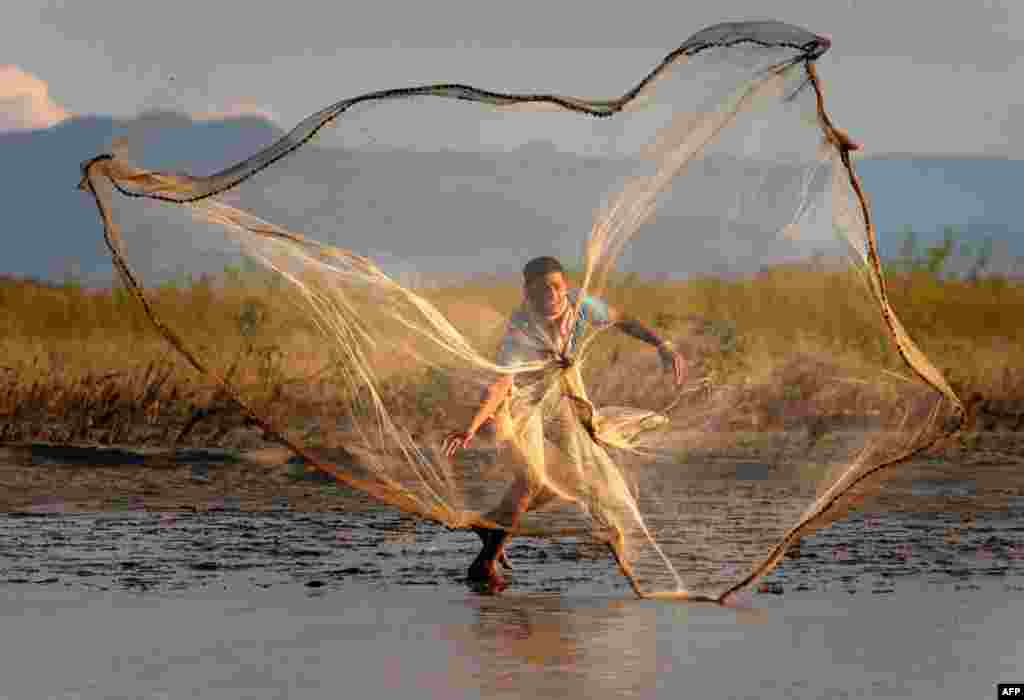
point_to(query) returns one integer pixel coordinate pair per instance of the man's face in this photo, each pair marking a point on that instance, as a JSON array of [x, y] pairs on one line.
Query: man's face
[[547, 294]]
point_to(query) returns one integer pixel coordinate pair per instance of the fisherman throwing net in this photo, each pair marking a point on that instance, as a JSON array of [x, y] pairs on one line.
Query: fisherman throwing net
[[384, 236], [550, 322]]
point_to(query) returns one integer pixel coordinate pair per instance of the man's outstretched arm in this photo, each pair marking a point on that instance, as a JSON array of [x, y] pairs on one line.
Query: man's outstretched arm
[[495, 394], [670, 357]]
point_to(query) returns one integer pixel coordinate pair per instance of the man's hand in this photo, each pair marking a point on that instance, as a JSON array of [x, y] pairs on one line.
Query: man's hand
[[673, 362], [454, 441]]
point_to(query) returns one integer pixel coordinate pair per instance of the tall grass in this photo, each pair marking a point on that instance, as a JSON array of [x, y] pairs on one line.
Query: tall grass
[[81, 364]]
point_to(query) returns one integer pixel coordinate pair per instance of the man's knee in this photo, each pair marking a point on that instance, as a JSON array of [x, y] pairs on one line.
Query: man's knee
[[540, 496]]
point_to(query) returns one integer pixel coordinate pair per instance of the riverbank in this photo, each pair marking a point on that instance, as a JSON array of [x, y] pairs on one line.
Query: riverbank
[[988, 466]]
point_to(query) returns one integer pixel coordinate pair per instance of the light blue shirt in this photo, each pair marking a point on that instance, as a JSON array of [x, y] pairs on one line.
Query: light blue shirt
[[523, 341]]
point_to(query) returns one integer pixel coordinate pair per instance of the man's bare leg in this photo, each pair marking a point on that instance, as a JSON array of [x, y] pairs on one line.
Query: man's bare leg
[[526, 493], [485, 534], [518, 500], [484, 570]]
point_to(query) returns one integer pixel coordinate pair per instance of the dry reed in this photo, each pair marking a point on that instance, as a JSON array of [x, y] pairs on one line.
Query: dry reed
[[83, 365]]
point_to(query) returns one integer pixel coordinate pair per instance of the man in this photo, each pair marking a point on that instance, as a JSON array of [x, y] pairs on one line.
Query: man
[[543, 328]]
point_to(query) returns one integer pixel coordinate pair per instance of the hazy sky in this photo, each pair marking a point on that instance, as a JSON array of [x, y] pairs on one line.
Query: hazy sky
[[903, 75]]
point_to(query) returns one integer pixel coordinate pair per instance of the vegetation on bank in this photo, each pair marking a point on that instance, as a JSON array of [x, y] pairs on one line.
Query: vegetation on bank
[[80, 364]]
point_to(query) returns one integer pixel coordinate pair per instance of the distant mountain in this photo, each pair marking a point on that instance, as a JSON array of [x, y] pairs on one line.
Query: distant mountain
[[979, 197], [51, 229]]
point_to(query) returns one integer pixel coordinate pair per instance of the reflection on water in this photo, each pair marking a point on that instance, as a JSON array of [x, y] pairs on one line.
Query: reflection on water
[[559, 647], [400, 642]]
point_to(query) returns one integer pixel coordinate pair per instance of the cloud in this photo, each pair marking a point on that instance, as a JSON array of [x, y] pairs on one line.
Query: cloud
[[25, 101]]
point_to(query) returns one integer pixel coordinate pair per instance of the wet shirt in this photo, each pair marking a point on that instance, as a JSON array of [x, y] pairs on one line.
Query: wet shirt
[[523, 337]]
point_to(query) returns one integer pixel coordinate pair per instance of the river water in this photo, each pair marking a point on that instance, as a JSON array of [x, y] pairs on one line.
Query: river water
[[230, 604]]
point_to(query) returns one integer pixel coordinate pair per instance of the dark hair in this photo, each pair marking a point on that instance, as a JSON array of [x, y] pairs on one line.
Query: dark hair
[[538, 267]]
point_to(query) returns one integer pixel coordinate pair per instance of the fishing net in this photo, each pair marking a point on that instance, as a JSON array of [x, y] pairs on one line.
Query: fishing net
[[371, 259]]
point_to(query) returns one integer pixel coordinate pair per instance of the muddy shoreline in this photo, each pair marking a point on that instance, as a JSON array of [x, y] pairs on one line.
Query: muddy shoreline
[[91, 478]]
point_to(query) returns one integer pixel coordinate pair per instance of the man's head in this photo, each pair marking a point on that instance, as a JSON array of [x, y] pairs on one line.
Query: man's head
[[546, 286]]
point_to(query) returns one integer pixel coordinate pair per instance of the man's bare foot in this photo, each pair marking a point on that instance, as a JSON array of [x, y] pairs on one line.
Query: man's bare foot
[[485, 535], [490, 585], [483, 572]]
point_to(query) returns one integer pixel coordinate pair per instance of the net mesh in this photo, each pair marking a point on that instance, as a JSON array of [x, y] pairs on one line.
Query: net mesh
[[385, 235]]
